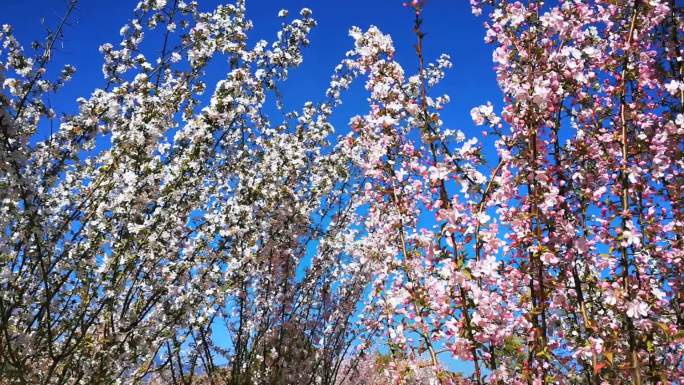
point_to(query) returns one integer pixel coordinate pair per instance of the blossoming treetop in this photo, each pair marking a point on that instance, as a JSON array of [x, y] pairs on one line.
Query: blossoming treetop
[[560, 263]]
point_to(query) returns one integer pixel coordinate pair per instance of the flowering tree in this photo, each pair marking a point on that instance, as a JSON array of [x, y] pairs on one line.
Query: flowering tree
[[562, 262], [156, 219], [155, 216]]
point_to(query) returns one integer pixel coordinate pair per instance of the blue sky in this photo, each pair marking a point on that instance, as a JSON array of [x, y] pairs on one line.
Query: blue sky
[[449, 25]]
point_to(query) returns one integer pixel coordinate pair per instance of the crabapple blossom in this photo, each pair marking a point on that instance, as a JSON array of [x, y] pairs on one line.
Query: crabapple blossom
[[373, 257], [118, 262], [562, 262]]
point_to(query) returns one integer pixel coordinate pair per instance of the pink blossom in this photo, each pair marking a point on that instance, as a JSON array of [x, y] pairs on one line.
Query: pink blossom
[[637, 309]]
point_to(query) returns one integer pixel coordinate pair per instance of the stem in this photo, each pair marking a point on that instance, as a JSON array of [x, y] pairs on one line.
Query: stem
[[443, 191], [633, 354]]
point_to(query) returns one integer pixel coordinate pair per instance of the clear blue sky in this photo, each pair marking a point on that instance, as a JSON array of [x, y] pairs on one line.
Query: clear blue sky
[[449, 25]]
